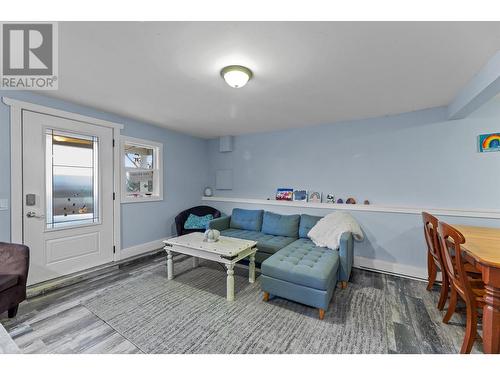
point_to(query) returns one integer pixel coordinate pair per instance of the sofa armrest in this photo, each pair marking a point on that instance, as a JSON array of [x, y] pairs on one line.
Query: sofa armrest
[[346, 253], [220, 223]]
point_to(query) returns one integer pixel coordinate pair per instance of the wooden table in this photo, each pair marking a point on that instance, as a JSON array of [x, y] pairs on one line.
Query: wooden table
[[483, 247], [226, 250]]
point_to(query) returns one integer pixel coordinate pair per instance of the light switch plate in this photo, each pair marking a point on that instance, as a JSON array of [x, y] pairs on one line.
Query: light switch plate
[[4, 204]]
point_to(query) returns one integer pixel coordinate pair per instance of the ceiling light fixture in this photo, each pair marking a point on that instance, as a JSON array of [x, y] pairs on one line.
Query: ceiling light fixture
[[236, 76]]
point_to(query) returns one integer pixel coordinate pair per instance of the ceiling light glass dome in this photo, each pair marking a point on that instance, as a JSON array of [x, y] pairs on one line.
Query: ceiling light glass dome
[[236, 76]]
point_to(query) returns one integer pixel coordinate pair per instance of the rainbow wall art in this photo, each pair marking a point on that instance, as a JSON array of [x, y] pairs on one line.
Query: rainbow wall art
[[489, 142]]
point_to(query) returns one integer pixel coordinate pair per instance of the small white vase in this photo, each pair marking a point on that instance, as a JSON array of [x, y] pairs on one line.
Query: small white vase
[[212, 235]]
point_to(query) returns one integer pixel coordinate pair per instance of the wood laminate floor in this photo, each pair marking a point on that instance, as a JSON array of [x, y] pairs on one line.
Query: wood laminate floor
[[58, 322]]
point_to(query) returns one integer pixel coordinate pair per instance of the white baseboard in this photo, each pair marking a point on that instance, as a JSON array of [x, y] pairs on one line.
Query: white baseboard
[[125, 254], [359, 262], [391, 268], [142, 248]]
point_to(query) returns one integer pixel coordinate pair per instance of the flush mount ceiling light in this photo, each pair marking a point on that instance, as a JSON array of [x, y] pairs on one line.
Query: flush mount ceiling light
[[236, 76]]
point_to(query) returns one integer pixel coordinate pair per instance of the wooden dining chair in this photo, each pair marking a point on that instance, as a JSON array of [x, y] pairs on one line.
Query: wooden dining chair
[[434, 261], [462, 284]]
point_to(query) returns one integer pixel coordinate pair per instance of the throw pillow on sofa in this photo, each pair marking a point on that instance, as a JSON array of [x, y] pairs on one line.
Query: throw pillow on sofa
[[197, 222], [281, 225]]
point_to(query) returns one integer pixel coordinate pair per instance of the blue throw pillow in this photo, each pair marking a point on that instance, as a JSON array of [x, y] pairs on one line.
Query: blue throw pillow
[[197, 222], [246, 219], [281, 225], [306, 223]]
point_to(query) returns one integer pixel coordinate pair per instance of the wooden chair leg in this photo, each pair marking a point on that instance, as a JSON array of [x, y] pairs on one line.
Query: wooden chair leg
[[343, 284], [266, 297], [431, 270], [445, 287], [452, 305], [470, 329], [321, 314], [12, 312]]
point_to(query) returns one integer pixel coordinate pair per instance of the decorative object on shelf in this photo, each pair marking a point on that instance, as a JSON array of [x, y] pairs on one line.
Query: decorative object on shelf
[[366, 201], [212, 235], [340, 200], [284, 194], [208, 192], [315, 197], [489, 142], [330, 198], [300, 195], [350, 200]]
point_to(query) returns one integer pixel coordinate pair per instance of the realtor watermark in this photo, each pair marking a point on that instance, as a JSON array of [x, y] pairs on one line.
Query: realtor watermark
[[29, 56]]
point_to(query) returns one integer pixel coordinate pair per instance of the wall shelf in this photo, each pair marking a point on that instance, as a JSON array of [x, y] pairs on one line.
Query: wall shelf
[[484, 214]]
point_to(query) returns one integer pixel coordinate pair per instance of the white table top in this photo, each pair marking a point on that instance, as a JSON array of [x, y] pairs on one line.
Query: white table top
[[227, 246]]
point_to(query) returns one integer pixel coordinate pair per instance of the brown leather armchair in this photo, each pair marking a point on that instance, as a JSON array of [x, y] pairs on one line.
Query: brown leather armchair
[[14, 264]]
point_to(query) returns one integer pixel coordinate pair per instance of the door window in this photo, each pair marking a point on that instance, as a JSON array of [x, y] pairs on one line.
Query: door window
[[72, 194]]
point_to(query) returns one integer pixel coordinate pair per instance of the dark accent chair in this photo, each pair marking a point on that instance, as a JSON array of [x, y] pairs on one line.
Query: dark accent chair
[[14, 264], [198, 211]]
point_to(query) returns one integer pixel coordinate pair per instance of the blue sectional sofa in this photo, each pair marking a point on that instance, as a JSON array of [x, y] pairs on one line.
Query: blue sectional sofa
[[292, 267]]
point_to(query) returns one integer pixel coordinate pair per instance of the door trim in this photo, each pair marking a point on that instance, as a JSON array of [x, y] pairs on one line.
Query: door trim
[[16, 162]]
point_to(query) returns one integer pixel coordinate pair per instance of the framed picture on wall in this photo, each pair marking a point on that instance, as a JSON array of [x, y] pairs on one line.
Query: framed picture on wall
[[489, 142], [284, 194], [300, 195]]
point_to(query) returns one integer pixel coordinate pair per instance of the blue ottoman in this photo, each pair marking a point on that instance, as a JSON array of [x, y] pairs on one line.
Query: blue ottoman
[[302, 272]]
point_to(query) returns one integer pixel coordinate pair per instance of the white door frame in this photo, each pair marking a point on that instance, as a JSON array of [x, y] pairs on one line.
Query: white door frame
[[16, 163]]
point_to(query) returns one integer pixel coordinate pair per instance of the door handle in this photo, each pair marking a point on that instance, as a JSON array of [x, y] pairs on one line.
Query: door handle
[[33, 214]]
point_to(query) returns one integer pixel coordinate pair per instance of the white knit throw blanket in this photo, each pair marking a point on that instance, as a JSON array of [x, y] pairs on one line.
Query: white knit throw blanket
[[327, 231]]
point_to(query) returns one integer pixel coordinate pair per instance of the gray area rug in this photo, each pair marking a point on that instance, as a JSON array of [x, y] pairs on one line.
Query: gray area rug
[[190, 314]]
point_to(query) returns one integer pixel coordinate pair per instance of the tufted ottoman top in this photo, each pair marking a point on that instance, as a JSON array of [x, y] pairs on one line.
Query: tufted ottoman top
[[303, 263]]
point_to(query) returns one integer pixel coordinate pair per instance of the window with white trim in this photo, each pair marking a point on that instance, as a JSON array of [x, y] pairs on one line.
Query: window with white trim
[[142, 170]]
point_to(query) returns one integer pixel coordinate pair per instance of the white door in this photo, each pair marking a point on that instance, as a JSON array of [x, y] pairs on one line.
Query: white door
[[68, 195]]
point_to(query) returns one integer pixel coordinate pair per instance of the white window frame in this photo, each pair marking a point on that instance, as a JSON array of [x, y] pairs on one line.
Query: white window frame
[[157, 164]]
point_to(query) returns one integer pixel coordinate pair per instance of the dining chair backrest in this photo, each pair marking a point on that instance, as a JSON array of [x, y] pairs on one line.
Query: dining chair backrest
[[453, 259], [431, 236]]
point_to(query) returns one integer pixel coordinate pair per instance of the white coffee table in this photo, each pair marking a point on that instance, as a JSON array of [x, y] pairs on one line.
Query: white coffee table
[[226, 250]]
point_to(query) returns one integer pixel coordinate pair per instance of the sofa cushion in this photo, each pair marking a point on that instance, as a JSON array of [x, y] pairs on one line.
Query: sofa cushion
[[8, 281], [303, 263], [246, 219], [265, 242], [280, 225], [306, 223]]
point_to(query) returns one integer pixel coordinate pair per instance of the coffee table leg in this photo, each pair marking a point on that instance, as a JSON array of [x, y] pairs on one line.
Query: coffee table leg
[[230, 282], [170, 265], [196, 262], [251, 269]]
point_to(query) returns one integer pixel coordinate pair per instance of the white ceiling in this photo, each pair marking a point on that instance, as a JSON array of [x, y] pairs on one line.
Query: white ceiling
[[305, 73]]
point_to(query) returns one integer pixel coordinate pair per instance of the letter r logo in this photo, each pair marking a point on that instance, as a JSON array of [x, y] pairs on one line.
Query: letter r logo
[[27, 49]]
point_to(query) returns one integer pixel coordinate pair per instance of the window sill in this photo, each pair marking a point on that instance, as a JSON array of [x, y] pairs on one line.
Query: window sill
[[153, 198]]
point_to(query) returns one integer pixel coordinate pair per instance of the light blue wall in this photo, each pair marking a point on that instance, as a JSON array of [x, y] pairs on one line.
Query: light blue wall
[[184, 175], [414, 159]]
